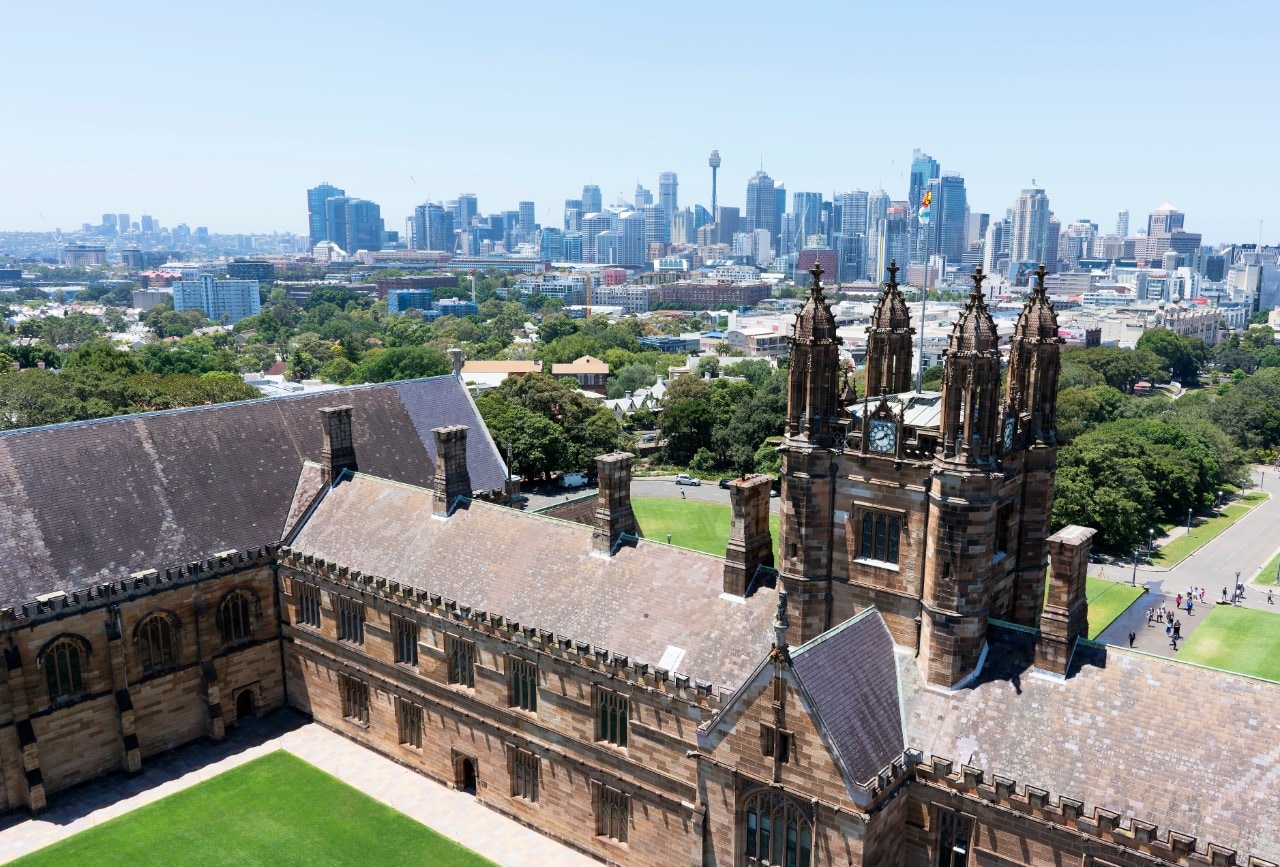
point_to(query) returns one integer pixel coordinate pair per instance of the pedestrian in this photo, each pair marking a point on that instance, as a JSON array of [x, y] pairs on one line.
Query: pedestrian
[[1178, 604], [1201, 595], [1189, 606], [1224, 596], [1133, 636], [1270, 601], [682, 496], [1177, 629], [1150, 617]]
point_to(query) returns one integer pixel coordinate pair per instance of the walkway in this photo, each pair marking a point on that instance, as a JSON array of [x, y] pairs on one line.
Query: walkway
[[453, 814], [1247, 545]]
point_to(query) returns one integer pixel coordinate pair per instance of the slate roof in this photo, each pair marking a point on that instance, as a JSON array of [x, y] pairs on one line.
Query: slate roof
[[1187, 748], [850, 675], [93, 501], [643, 601]]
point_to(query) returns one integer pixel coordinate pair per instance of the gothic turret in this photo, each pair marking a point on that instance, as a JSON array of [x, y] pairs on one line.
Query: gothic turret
[[1031, 401], [889, 341], [813, 399], [971, 384]]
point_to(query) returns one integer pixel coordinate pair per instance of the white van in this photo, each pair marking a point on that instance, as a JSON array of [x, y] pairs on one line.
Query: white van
[[574, 480]]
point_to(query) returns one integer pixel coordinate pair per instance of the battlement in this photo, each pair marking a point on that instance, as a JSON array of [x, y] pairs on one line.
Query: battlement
[[59, 604], [621, 667], [1073, 815]]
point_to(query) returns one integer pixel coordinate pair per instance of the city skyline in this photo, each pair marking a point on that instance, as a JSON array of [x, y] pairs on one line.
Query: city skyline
[[237, 163]]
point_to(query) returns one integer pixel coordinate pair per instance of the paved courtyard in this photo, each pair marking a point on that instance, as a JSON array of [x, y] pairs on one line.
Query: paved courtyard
[[453, 814]]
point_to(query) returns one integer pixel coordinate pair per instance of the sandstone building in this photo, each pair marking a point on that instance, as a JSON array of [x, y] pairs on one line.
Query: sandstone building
[[894, 690]]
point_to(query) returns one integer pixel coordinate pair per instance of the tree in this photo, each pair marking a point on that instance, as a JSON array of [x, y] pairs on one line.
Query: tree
[[404, 362], [630, 379], [1120, 368], [1179, 353], [554, 327], [537, 444], [687, 427], [709, 366], [104, 357]]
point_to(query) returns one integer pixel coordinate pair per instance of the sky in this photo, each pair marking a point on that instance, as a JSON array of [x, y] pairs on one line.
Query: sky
[[223, 114]]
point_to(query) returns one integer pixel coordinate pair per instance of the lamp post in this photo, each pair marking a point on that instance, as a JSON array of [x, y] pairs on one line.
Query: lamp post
[[1151, 543], [1219, 499], [1188, 522], [1134, 581], [1236, 592]]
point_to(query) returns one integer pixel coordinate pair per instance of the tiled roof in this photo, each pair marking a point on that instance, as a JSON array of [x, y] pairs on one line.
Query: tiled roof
[[585, 364], [1187, 748], [850, 676], [512, 367], [649, 601], [93, 501]]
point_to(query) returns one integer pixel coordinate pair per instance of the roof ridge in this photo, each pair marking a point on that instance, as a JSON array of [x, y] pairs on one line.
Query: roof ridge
[[833, 631]]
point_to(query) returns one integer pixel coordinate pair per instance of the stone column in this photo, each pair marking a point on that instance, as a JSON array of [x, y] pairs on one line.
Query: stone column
[[452, 479], [750, 544], [338, 452], [613, 502], [1066, 614]]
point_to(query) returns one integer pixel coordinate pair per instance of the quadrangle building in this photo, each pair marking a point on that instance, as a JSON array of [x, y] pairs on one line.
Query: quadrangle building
[[898, 688]]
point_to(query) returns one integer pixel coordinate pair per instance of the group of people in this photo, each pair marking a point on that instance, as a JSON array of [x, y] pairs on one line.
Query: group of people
[[1162, 614]]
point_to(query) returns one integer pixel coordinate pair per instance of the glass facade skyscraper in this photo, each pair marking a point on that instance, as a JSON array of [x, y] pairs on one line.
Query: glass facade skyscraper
[[316, 220]]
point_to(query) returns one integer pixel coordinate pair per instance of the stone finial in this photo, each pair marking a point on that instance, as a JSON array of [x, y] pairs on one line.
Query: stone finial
[[781, 622]]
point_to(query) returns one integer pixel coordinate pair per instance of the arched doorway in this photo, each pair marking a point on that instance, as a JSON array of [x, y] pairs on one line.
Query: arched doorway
[[244, 704], [464, 769]]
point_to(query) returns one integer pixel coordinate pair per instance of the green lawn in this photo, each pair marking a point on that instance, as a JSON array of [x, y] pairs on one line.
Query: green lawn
[[1243, 640], [694, 524], [1268, 574], [275, 810], [1107, 601], [1173, 553]]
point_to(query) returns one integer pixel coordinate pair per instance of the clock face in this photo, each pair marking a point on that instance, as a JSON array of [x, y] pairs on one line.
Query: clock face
[[883, 437], [1008, 434]]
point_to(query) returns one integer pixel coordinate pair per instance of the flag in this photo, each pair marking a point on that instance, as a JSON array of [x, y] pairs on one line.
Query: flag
[[926, 205]]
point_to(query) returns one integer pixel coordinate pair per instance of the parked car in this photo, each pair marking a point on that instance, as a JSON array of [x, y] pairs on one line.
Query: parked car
[[574, 480], [686, 479], [724, 483]]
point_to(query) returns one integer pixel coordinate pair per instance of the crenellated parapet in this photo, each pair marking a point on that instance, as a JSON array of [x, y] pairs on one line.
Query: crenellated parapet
[[676, 686], [1072, 815]]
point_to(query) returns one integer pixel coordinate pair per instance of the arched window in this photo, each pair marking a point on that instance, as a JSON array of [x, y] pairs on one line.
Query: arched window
[[880, 536], [157, 640], [63, 663], [777, 833], [235, 616]]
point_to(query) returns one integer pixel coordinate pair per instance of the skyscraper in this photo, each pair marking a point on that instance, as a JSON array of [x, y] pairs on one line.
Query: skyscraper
[[316, 219], [468, 210], [528, 222], [853, 213], [364, 226], [592, 225], [762, 205], [1165, 218], [655, 224], [807, 209], [335, 221], [924, 168], [643, 197], [1029, 230], [1122, 225], [432, 227], [551, 245], [950, 207], [667, 198], [592, 202], [728, 224], [572, 215]]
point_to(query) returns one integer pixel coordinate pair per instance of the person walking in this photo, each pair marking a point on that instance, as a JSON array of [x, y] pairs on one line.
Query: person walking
[[1189, 604], [1178, 603], [1270, 600], [1133, 636]]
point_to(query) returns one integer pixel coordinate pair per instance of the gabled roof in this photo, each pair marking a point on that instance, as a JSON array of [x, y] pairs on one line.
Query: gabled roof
[[585, 364], [94, 501], [655, 603], [849, 673]]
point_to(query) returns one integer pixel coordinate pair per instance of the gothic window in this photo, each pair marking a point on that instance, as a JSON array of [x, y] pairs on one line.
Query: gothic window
[[157, 642], [350, 619], [613, 813], [526, 772], [611, 717], [308, 596], [955, 830], [405, 634], [880, 536], [462, 661], [522, 680], [355, 699], [235, 616], [63, 663], [409, 721], [777, 834]]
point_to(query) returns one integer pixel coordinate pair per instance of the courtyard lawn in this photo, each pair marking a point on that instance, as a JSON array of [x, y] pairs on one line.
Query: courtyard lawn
[[694, 524], [275, 810], [1107, 601], [1243, 640], [1173, 553], [1267, 577]]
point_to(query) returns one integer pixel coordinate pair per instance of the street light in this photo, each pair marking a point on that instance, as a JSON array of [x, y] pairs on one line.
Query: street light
[[1134, 581], [1219, 499], [1151, 543], [1188, 522]]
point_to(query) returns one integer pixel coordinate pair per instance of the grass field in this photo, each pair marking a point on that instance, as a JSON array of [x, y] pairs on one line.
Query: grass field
[[1268, 574], [1107, 601], [1242, 640], [694, 524], [275, 810], [1173, 553]]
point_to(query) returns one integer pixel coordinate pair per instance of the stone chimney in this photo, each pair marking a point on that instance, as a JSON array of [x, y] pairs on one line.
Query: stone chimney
[[455, 353], [613, 502], [338, 452], [452, 478], [750, 545], [1066, 614]]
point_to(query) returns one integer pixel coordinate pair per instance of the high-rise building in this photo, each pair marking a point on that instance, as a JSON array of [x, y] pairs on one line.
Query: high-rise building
[[149, 223], [528, 222], [432, 228], [667, 195], [1029, 230], [592, 202], [1077, 242], [317, 215], [234, 299], [551, 244], [468, 210], [122, 223], [1166, 218], [762, 205], [947, 229], [924, 168], [592, 225], [728, 223], [335, 221], [573, 247], [807, 208], [365, 226], [1122, 224], [853, 212], [643, 197], [683, 226], [891, 242], [634, 248], [655, 224], [572, 215]]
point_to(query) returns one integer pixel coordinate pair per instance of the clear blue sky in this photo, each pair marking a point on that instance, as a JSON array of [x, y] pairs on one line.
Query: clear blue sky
[[222, 114]]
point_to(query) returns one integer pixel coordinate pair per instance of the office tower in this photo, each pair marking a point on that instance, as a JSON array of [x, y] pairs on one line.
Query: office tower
[[950, 207], [780, 206], [1122, 225], [762, 205], [728, 224], [924, 168], [148, 223], [365, 226], [335, 220], [1051, 247], [317, 219], [714, 162], [527, 219], [877, 209], [1029, 230], [551, 245], [573, 247], [592, 225], [432, 228], [891, 240], [701, 217], [790, 240], [468, 211], [1077, 242], [202, 234], [807, 208], [633, 231], [109, 224], [1166, 218], [234, 299], [851, 253], [682, 227], [667, 196], [122, 223], [572, 215], [853, 213], [592, 203], [643, 197], [655, 224], [976, 228]]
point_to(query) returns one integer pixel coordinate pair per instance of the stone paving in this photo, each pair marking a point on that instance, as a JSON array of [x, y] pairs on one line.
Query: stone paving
[[450, 813]]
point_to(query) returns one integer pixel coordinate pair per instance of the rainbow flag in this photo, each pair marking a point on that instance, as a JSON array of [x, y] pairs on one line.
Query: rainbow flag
[[926, 206]]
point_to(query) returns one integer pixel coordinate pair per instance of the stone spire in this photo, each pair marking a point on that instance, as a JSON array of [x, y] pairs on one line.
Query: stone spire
[[1034, 365], [889, 350], [813, 394], [971, 383]]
